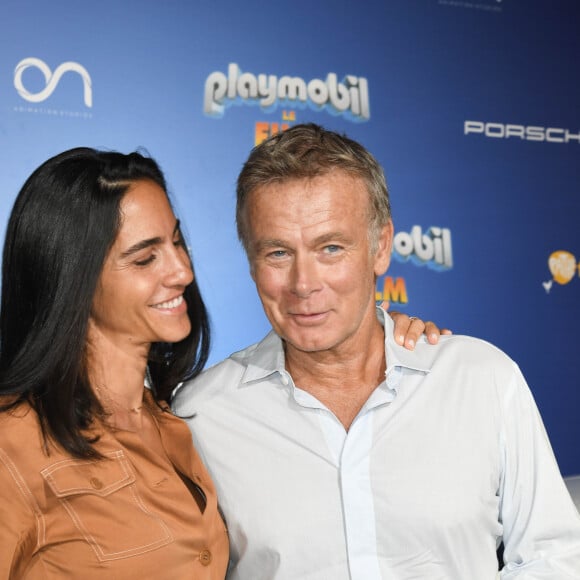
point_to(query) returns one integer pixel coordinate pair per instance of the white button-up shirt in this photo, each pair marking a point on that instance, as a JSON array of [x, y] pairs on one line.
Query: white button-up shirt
[[446, 458]]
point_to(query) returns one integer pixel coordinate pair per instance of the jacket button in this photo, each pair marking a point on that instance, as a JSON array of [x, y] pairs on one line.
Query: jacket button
[[96, 483], [205, 557]]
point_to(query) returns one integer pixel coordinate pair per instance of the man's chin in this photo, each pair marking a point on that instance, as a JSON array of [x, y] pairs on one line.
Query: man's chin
[[307, 345]]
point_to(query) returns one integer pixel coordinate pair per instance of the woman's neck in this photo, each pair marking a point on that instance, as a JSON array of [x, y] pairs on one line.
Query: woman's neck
[[117, 375]]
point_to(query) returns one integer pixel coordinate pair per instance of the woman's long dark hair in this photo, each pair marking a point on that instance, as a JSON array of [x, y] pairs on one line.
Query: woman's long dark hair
[[63, 223]]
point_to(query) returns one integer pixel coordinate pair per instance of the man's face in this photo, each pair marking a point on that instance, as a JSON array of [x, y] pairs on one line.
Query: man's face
[[310, 257]]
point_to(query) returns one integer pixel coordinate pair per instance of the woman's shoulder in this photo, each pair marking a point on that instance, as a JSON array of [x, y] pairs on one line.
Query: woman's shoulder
[[20, 414], [19, 426]]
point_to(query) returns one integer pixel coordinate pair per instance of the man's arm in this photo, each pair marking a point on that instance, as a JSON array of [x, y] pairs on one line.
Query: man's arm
[[541, 525]]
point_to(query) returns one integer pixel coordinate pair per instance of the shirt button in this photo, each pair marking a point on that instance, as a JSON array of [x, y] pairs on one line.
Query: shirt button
[[96, 483], [205, 557]]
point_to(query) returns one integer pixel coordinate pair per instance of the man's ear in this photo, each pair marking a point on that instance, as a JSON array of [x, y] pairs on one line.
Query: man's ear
[[382, 256]]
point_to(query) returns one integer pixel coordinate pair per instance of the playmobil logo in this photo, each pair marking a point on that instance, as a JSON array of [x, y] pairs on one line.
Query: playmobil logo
[[524, 132], [349, 98], [432, 248], [51, 79]]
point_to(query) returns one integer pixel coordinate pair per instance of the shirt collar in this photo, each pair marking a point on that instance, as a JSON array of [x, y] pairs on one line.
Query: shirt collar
[[267, 357], [421, 359]]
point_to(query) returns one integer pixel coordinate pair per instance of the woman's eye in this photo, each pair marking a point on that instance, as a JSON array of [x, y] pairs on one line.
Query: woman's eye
[[145, 261]]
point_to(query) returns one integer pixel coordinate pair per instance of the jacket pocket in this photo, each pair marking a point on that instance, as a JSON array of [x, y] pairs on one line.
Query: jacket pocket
[[102, 500]]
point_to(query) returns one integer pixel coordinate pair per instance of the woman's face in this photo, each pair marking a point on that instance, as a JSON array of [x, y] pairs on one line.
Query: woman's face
[[139, 297]]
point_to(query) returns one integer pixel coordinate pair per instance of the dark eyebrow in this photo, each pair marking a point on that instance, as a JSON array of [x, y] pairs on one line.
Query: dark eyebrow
[[330, 237], [266, 244], [146, 243]]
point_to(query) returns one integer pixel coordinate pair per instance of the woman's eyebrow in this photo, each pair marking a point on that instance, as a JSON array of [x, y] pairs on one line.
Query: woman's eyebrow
[[146, 243], [141, 246]]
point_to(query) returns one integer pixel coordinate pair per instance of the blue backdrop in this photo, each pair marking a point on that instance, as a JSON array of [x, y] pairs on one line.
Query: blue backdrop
[[471, 106]]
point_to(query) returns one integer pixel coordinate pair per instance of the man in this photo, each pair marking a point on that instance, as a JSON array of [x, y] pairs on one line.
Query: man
[[337, 453]]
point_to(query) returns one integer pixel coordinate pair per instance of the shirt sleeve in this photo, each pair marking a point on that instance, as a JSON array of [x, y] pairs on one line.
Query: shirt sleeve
[[18, 523], [541, 524]]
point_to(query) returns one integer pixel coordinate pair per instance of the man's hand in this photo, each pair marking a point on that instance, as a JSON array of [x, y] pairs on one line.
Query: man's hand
[[408, 329]]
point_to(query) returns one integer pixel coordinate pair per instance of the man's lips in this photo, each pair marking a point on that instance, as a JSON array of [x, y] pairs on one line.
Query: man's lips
[[309, 317]]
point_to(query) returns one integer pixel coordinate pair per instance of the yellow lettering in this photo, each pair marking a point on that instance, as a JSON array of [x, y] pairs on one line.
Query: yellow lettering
[[393, 291], [265, 130]]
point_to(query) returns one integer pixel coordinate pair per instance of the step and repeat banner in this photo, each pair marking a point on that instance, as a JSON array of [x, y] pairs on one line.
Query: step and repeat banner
[[472, 107]]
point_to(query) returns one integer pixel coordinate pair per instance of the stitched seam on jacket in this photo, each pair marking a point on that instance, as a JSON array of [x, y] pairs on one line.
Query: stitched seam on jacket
[[27, 495], [101, 554], [129, 552]]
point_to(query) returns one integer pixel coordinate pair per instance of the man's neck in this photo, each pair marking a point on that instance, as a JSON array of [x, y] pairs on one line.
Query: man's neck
[[342, 378]]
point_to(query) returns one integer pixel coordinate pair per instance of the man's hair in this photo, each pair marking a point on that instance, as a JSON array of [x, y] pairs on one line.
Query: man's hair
[[304, 152], [62, 226]]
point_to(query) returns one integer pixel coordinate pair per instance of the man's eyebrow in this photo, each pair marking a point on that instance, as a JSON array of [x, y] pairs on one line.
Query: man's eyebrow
[[143, 244], [271, 243], [330, 237]]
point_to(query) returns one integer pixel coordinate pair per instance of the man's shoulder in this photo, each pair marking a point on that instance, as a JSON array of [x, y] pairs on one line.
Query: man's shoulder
[[468, 343], [213, 377], [466, 352], [471, 355], [220, 378]]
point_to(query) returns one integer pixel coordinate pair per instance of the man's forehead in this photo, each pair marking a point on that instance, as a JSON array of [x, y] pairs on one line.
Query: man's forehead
[[293, 214]]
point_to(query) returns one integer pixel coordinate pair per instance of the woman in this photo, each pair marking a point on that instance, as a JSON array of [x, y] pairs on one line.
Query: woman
[[97, 478]]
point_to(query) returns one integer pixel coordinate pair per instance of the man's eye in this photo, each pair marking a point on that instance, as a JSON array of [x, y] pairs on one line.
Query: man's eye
[[277, 254], [332, 249]]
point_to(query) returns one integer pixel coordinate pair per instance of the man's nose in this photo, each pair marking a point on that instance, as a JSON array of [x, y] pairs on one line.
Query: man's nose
[[305, 277]]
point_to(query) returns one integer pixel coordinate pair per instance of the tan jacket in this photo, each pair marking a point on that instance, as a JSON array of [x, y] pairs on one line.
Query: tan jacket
[[129, 516]]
